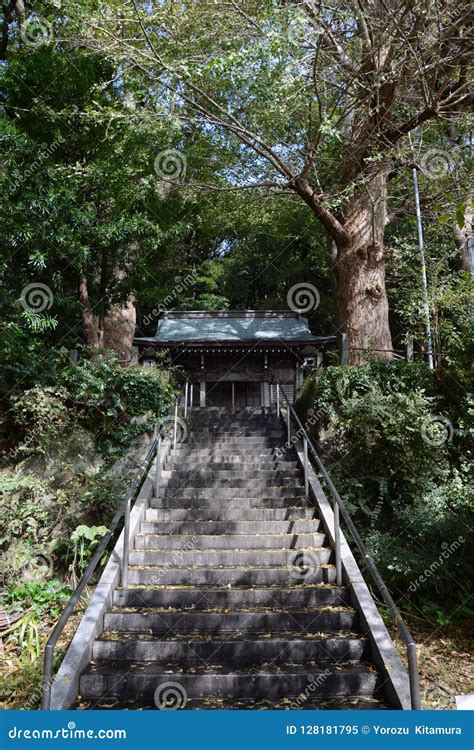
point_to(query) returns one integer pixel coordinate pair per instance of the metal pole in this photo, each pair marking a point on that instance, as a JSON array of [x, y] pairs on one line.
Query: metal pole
[[306, 481], [288, 423], [126, 544], [337, 543], [413, 675], [175, 428], [186, 388], [423, 270], [278, 399], [158, 466], [47, 670]]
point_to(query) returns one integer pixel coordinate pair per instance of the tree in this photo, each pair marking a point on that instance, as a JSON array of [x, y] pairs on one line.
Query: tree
[[81, 213], [312, 98]]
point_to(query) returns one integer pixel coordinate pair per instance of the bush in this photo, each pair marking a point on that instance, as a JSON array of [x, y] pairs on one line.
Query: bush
[[43, 416], [116, 403], [402, 471], [41, 597], [26, 517]]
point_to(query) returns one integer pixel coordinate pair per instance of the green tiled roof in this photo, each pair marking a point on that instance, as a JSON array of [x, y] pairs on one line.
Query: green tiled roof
[[246, 327]]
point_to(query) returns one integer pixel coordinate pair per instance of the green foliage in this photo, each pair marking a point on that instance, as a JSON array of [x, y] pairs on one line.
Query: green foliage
[[33, 512], [26, 516], [40, 597], [26, 637], [77, 550], [409, 493], [43, 415], [116, 403]]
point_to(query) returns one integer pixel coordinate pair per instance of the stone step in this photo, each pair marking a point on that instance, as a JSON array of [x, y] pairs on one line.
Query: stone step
[[234, 621], [292, 647], [143, 681], [246, 441], [235, 495], [181, 542], [272, 596], [219, 513], [204, 472], [243, 412], [165, 558], [242, 467], [302, 703], [178, 501], [242, 434], [228, 513], [197, 481], [251, 427], [196, 454], [230, 576], [195, 528]]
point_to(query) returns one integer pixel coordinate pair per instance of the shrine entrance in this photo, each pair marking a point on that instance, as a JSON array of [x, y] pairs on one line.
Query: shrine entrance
[[233, 394]]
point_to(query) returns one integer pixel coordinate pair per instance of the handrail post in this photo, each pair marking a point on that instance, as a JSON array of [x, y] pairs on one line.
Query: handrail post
[[186, 387], [306, 480], [47, 670], [337, 543], [175, 427], [413, 676], [278, 399], [158, 465], [126, 543], [288, 423]]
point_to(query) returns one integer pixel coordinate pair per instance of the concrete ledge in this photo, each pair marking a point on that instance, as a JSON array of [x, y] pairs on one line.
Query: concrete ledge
[[395, 685], [65, 686]]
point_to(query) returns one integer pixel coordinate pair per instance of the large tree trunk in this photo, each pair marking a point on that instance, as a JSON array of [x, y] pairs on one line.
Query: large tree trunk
[[119, 329], [359, 272], [358, 266], [113, 328], [89, 321], [464, 237]]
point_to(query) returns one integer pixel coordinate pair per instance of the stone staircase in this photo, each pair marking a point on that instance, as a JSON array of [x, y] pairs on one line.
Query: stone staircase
[[231, 600]]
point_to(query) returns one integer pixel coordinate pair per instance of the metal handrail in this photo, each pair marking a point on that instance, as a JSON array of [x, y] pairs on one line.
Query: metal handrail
[[123, 511], [339, 506]]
